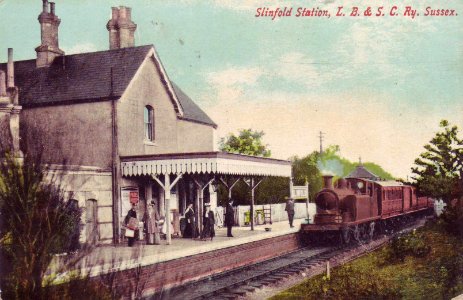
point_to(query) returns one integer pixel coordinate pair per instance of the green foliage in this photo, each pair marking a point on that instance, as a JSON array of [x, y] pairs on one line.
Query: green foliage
[[411, 244], [305, 169], [37, 222], [436, 273], [248, 142], [440, 167], [272, 190], [452, 220], [331, 162]]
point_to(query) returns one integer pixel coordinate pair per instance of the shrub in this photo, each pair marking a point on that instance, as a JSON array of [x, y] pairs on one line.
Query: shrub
[[452, 220], [412, 244], [37, 222]]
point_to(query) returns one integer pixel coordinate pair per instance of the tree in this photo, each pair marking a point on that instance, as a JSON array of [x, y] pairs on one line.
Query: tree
[[36, 222], [306, 169], [440, 168], [248, 142]]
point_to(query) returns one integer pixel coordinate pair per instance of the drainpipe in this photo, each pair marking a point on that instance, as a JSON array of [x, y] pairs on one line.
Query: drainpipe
[[115, 162]]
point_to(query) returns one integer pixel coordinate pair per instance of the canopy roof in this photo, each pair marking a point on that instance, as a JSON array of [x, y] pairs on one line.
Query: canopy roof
[[361, 172], [204, 163]]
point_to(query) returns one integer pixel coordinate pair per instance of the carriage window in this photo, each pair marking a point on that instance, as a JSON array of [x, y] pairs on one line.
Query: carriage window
[[148, 116]]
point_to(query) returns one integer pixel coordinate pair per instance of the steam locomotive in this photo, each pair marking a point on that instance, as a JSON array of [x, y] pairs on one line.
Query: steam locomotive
[[358, 208]]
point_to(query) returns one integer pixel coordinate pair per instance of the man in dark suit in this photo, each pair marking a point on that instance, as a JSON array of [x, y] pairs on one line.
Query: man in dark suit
[[290, 210], [229, 218], [131, 224]]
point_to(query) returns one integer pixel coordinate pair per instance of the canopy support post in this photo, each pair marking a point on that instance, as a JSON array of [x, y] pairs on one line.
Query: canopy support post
[[167, 186], [253, 184]]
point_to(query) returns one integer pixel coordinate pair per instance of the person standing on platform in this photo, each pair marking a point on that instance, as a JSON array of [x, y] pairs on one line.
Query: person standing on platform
[[131, 222], [190, 226], [151, 219], [229, 218], [208, 224], [290, 210]]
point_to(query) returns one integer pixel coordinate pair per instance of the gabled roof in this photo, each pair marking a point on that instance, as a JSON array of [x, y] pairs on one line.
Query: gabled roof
[[361, 172], [191, 111], [95, 76]]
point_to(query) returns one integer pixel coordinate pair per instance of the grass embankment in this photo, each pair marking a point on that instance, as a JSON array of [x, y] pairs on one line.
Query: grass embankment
[[424, 264]]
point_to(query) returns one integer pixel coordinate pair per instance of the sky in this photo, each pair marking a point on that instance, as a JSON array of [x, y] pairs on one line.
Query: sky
[[375, 86]]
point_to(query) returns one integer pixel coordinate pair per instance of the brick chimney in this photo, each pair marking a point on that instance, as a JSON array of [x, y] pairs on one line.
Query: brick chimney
[[121, 28], [49, 47], [9, 107]]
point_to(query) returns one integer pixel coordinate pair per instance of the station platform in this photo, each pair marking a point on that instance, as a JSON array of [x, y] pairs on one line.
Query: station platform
[[165, 266]]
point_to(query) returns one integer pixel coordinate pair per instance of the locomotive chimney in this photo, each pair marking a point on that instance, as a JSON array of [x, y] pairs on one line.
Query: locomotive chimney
[[328, 181]]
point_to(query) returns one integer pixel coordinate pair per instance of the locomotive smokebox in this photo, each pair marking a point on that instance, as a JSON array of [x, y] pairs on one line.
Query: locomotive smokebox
[[328, 181]]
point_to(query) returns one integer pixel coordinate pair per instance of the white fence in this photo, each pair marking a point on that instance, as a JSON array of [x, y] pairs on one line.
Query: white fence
[[278, 213]]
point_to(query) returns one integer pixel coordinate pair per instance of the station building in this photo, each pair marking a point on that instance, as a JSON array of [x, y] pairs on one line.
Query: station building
[[118, 129]]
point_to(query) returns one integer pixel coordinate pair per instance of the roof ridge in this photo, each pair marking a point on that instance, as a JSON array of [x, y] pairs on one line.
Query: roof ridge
[[92, 52]]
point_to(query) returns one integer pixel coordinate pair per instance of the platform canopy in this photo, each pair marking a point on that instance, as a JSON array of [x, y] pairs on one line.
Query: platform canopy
[[221, 163], [203, 168]]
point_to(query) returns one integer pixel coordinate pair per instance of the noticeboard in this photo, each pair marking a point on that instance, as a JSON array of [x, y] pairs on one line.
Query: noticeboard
[[129, 195]]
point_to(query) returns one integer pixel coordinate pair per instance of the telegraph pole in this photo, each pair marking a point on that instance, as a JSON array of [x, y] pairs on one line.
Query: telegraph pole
[[321, 142]]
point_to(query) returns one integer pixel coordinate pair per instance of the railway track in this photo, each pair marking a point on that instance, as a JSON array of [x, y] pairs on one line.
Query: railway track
[[239, 282]]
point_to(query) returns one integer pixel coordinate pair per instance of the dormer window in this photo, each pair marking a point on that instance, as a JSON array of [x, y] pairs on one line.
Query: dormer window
[[148, 116]]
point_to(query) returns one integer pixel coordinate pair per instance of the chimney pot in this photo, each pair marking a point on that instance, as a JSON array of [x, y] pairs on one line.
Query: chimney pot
[[52, 8], [129, 13], [45, 6], [10, 69], [115, 13], [2, 84], [123, 12]]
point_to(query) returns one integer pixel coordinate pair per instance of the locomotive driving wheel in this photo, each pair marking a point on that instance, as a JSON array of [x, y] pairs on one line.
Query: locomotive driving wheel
[[356, 233], [345, 235], [371, 231]]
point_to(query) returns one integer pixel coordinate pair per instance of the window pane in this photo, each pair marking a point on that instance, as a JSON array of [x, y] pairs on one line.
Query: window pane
[[149, 122]]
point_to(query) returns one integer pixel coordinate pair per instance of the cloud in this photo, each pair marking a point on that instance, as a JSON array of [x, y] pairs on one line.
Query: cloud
[[233, 76], [80, 48], [363, 124], [291, 128]]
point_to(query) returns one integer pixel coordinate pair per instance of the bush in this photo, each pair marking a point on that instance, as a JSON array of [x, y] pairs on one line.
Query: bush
[[412, 244], [37, 221], [452, 220]]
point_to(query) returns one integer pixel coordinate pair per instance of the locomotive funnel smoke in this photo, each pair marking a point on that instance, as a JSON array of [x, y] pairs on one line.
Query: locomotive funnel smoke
[[331, 166]]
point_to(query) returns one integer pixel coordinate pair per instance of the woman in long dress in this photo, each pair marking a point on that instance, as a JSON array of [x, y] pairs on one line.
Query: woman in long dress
[[190, 226], [208, 224]]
